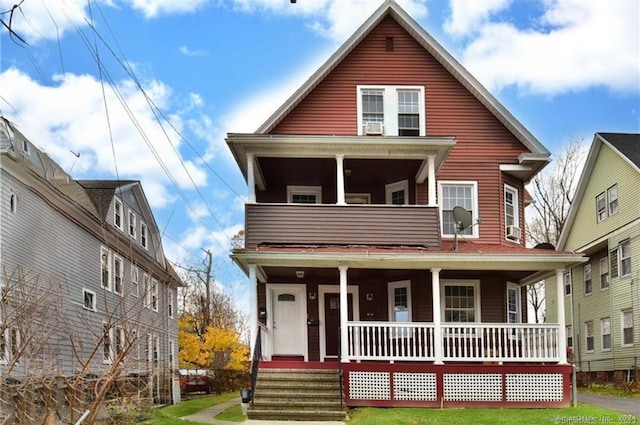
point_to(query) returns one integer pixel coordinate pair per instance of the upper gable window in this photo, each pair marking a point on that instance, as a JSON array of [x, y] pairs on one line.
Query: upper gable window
[[458, 194], [511, 213], [601, 207], [118, 212], [132, 224], [144, 235], [391, 110], [612, 199], [304, 194]]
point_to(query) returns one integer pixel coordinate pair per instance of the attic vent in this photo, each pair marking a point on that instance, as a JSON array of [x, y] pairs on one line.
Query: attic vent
[[389, 43]]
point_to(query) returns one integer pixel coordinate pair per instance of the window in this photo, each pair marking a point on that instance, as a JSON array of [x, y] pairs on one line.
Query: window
[[172, 349], [567, 283], [118, 272], [400, 306], [408, 113], [604, 273], [144, 240], [461, 301], [120, 341], [612, 199], [171, 294], [149, 348], [357, 198], [132, 224], [156, 351], [601, 207], [105, 268], [89, 299], [107, 350], [569, 330], [25, 146], [154, 295], [511, 213], [588, 335], [624, 257], [627, 328], [588, 285], [135, 276], [513, 303], [304, 194], [13, 203], [146, 290], [605, 330], [118, 212], [391, 110], [397, 193], [461, 194]]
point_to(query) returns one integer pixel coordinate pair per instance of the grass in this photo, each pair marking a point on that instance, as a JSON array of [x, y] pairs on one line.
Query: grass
[[600, 389], [170, 415], [415, 416], [232, 414]]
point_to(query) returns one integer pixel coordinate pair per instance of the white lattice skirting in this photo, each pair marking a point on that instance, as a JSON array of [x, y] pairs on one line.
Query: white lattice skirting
[[414, 386], [472, 387], [534, 387]]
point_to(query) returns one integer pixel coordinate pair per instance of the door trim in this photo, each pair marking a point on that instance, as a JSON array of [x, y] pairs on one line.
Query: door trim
[[334, 289], [299, 290]]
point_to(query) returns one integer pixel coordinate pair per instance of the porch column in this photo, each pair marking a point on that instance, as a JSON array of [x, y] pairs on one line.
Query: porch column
[[437, 315], [251, 180], [431, 180], [253, 307], [340, 179], [344, 315], [562, 332]]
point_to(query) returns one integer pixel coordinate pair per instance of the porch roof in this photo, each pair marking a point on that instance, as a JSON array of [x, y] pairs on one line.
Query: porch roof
[[470, 256]]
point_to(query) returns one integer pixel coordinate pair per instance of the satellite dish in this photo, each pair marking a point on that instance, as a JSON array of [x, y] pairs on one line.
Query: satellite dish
[[545, 245], [462, 217]]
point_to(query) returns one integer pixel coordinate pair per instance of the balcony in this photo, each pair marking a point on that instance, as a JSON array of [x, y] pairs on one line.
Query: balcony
[[322, 224]]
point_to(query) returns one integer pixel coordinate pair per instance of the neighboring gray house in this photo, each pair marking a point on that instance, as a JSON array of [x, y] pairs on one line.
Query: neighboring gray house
[[602, 296], [86, 286]]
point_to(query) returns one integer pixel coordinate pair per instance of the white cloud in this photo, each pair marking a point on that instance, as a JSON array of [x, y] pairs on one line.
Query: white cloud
[[135, 148], [466, 15], [185, 50], [576, 45]]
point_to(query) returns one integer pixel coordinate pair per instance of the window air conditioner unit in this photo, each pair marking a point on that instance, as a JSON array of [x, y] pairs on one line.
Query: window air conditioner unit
[[513, 232], [373, 129]]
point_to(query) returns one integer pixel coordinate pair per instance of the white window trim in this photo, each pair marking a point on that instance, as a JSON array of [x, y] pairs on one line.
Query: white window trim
[[604, 201], [390, 99], [602, 334], [146, 289], [569, 334], [135, 280], [461, 282], [391, 287], [118, 259], [475, 227], [564, 283], [304, 190], [622, 328], [608, 200], [13, 203], [513, 286], [516, 210], [586, 336], [395, 187], [153, 291], [118, 208], [587, 267], [131, 221], [620, 259], [108, 359], [25, 147], [171, 304], [155, 355], [606, 261], [95, 301], [144, 235], [172, 354], [119, 332], [105, 251]]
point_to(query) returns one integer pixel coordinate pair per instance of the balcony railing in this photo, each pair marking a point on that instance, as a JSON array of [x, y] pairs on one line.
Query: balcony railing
[[411, 225], [473, 342]]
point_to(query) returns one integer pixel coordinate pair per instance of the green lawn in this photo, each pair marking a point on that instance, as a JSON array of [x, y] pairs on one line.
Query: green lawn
[[413, 416], [599, 389], [171, 415]]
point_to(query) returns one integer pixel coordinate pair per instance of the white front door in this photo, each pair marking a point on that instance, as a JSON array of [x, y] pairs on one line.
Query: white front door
[[288, 321]]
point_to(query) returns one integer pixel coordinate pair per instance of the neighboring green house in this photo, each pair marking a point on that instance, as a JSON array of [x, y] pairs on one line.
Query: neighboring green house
[[602, 296]]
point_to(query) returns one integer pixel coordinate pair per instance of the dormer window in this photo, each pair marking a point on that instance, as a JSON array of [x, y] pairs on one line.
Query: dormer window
[[391, 111], [132, 224], [118, 212]]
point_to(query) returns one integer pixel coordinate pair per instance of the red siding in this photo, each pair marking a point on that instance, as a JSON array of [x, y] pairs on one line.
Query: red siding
[[482, 141]]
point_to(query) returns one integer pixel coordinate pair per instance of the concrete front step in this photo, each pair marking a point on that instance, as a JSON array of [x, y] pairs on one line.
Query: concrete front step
[[295, 394], [293, 414]]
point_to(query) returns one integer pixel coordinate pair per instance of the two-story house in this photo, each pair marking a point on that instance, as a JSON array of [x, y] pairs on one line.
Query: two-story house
[[602, 296], [384, 232], [86, 287]]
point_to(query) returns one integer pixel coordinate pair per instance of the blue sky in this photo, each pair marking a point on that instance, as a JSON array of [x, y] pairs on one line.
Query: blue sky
[[175, 76]]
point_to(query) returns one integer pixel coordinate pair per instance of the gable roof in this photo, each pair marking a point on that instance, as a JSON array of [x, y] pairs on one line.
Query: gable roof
[[391, 8], [626, 145]]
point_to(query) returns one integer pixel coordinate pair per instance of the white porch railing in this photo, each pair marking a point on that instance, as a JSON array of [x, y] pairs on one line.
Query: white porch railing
[[473, 342]]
